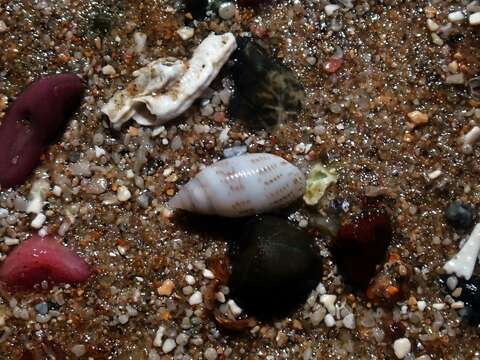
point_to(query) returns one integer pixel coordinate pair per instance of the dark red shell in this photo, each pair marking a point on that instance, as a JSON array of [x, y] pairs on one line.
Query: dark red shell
[[35, 119], [42, 258], [361, 245]]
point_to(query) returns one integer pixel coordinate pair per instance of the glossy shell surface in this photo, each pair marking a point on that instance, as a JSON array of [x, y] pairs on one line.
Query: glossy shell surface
[[241, 186], [275, 266], [267, 93]]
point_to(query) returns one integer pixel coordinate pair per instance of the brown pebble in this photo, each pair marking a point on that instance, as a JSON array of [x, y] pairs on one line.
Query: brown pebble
[[166, 288], [417, 118], [281, 339]]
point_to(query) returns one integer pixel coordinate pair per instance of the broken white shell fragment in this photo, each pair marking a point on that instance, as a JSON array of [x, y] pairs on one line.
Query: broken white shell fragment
[[241, 186], [463, 263], [167, 87]]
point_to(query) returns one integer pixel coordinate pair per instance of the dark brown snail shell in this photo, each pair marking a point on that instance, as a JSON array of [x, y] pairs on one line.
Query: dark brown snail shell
[[266, 92]]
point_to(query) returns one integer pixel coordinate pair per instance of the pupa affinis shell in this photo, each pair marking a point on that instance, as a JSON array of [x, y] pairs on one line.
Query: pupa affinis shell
[[242, 186]]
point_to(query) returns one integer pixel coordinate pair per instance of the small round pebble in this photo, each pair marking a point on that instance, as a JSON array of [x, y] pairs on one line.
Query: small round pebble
[[402, 347], [79, 350], [210, 354], [123, 194], [168, 345], [459, 215], [329, 320], [42, 308], [196, 298], [108, 70], [38, 221], [349, 321], [226, 10]]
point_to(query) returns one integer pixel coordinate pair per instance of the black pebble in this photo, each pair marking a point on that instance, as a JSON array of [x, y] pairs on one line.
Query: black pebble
[[198, 8], [460, 215], [471, 297]]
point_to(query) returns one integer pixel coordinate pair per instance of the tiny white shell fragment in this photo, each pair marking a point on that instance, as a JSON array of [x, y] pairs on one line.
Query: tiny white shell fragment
[[241, 186], [463, 263], [167, 87]]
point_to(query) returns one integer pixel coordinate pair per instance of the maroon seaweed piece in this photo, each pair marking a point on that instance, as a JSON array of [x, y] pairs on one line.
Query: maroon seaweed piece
[[361, 245], [35, 119], [42, 258]]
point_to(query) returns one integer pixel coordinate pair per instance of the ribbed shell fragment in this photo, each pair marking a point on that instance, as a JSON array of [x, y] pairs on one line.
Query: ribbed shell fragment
[[167, 87]]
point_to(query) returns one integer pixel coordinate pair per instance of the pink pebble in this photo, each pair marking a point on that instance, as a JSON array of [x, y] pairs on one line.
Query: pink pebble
[[42, 258], [34, 120]]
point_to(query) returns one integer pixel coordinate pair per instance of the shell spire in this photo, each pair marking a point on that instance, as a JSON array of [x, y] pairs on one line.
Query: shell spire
[[241, 186]]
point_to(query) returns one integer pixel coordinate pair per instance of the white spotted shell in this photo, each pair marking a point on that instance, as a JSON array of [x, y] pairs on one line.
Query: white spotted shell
[[241, 186]]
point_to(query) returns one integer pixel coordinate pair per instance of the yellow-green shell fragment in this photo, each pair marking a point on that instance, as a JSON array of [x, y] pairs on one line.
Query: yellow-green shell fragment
[[319, 179]]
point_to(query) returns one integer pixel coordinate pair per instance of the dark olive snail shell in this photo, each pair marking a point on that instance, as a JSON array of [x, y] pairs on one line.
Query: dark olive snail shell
[[274, 267], [266, 93]]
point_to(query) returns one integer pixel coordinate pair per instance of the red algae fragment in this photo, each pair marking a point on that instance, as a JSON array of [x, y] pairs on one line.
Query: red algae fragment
[[361, 245], [42, 258], [33, 121]]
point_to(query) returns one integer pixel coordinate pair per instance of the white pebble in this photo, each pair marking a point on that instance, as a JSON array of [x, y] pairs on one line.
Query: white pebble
[[207, 274], [190, 279], [157, 342], [234, 308], [210, 354], [108, 70], [37, 223], [140, 41], [99, 151], [185, 32], [226, 10], [458, 305], [331, 8], [220, 297], [3, 213], [11, 241], [329, 320], [474, 18], [472, 136], [421, 305], [57, 191], [432, 25], [321, 289], [78, 350], [456, 16], [349, 321], [196, 298], [452, 282], [168, 346], [3, 26], [329, 302], [402, 347], [437, 40], [455, 79], [123, 319], [434, 174], [438, 306], [123, 194]]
